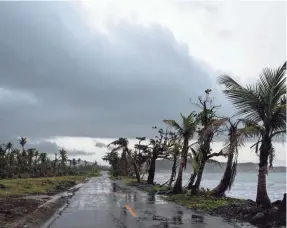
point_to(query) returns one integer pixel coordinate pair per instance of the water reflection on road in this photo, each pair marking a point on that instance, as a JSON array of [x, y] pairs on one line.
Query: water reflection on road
[[101, 203]]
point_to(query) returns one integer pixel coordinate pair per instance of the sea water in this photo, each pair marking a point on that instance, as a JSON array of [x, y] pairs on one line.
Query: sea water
[[244, 186]]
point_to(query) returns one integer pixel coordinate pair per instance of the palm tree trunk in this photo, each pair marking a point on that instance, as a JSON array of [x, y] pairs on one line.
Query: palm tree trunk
[[191, 180], [220, 189], [123, 162], [151, 171], [199, 175], [135, 166], [173, 171], [262, 196], [178, 184], [177, 188]]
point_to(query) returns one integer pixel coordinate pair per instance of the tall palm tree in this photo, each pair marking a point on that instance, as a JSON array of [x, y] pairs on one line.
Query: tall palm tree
[[236, 139], [174, 152], [43, 159], [31, 153], [264, 104], [36, 160], [186, 130], [64, 158], [122, 143]]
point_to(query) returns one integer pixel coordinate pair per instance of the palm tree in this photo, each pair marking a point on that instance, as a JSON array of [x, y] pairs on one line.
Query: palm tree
[[55, 163], [174, 152], [43, 159], [23, 141], [64, 158], [9, 147], [264, 104], [122, 143], [186, 131], [74, 162], [31, 153], [236, 139]]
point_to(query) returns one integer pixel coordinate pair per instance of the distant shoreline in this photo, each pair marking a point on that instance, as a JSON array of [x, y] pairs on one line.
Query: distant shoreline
[[220, 167]]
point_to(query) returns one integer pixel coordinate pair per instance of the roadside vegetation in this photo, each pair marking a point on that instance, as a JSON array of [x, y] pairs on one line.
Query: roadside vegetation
[[260, 116], [28, 171]]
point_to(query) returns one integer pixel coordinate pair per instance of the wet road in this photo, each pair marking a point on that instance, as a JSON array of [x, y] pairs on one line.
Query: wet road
[[100, 203]]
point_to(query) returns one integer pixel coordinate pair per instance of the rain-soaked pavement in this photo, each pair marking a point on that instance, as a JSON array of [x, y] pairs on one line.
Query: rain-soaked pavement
[[101, 203]]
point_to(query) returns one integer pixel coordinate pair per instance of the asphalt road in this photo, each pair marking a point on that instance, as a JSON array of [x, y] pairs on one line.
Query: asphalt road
[[101, 203]]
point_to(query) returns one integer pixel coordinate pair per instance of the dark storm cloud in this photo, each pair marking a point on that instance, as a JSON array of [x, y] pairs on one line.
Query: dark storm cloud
[[89, 84]]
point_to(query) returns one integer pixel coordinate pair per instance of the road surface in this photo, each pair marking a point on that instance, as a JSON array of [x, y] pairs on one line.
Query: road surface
[[100, 203]]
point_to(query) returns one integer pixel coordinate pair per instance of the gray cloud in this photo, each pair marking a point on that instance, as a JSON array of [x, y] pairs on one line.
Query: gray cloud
[[51, 148], [89, 84]]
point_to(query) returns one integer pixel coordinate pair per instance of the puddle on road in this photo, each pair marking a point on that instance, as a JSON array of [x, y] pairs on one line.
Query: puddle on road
[[156, 216]]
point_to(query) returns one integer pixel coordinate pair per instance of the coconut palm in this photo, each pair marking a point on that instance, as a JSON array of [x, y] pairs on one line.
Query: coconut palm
[[43, 160], [186, 130], [31, 154], [23, 141], [64, 158], [174, 152], [9, 147], [122, 143], [264, 104], [236, 139]]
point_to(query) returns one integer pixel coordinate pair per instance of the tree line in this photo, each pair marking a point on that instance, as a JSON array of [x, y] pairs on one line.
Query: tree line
[[260, 116], [17, 163]]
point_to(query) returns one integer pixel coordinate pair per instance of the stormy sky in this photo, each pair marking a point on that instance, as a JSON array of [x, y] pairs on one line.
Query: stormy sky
[[104, 69]]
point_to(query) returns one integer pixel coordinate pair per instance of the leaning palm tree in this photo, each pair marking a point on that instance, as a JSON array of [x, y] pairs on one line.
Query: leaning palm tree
[[236, 139], [186, 131], [122, 143], [264, 104]]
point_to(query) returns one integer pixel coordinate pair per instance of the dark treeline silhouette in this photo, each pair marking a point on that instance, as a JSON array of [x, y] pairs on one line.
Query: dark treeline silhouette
[[17, 163], [260, 115]]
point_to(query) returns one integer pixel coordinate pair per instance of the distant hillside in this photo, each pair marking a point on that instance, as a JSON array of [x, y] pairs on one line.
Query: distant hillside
[[163, 165]]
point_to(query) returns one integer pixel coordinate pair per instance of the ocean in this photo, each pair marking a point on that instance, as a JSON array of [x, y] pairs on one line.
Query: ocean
[[244, 186]]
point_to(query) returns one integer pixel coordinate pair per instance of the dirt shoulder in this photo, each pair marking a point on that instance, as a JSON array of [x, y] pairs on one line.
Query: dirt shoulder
[[32, 201]]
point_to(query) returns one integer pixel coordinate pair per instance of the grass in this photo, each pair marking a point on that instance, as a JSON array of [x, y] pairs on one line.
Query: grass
[[202, 202], [156, 188], [128, 180], [95, 173], [25, 186]]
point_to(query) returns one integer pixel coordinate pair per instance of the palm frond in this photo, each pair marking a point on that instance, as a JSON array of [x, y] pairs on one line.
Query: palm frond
[[233, 170], [194, 165], [271, 157], [116, 149], [119, 142], [272, 87], [245, 100], [174, 124], [279, 136], [214, 125]]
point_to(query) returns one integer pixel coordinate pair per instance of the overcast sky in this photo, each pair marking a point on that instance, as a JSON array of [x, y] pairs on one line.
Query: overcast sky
[[104, 69]]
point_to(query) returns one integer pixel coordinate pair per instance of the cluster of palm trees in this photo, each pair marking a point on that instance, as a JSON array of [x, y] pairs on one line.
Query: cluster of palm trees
[[15, 163], [260, 116]]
